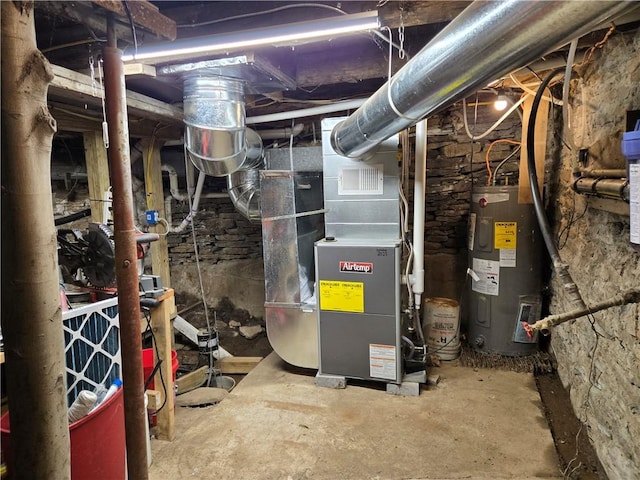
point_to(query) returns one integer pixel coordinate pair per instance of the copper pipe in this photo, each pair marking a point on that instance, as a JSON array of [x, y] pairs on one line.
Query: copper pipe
[[126, 258]]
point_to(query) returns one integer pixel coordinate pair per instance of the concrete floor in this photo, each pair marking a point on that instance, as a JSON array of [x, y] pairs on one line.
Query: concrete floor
[[277, 424]]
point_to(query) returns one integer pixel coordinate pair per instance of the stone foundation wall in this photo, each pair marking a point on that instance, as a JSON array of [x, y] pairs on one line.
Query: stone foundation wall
[[599, 357]]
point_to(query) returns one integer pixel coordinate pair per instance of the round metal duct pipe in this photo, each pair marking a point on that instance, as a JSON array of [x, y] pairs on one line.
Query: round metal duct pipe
[[244, 191], [214, 116], [484, 42]]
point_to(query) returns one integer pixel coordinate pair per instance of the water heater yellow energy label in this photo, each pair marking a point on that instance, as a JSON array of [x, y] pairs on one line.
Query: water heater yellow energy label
[[505, 234], [342, 296]]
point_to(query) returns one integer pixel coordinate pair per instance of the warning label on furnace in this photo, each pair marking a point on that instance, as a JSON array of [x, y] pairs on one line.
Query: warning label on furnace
[[342, 296], [504, 234], [382, 361]]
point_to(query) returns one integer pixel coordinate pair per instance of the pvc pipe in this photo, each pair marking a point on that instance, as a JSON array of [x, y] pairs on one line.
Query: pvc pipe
[[174, 189], [307, 112], [194, 207], [419, 195]]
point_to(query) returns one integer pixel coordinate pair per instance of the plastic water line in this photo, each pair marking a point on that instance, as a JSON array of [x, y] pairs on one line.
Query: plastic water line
[[562, 269]]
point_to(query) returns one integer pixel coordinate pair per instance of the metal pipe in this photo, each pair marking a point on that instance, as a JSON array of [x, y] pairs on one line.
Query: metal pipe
[[484, 42], [545, 325], [616, 188], [126, 258], [603, 172]]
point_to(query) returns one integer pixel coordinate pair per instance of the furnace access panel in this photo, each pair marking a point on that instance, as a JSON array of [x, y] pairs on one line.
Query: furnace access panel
[[358, 290]]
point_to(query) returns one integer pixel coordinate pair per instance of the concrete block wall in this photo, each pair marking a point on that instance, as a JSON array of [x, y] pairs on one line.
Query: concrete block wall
[[599, 357]]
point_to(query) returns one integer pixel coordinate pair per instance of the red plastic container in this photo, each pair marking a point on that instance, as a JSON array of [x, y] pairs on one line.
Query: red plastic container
[[97, 442], [148, 363]]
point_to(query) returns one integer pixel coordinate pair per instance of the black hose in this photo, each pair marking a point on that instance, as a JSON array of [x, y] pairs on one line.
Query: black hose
[[72, 217], [560, 267]]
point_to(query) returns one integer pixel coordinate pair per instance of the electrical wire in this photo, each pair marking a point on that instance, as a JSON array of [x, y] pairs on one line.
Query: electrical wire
[[262, 12], [486, 157], [494, 126], [158, 361], [199, 268], [531, 92], [132, 25], [509, 157]]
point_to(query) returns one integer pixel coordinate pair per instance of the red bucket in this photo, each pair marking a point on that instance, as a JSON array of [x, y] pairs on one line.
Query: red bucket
[[97, 442], [148, 364]]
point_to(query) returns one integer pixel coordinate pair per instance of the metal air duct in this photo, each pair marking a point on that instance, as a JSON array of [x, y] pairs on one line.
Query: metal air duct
[[214, 116], [484, 42], [217, 140]]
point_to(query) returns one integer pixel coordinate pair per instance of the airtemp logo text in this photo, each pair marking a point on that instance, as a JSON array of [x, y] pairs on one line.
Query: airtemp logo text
[[356, 267]]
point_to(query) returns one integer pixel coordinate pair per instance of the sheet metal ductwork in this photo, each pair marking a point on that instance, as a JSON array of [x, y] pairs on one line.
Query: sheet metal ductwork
[[484, 42], [218, 141]]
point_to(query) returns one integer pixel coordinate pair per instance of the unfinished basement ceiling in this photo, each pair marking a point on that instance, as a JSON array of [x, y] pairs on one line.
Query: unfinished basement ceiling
[[70, 33]]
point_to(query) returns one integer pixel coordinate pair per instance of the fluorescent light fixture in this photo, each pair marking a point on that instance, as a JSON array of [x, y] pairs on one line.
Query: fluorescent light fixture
[[291, 34]]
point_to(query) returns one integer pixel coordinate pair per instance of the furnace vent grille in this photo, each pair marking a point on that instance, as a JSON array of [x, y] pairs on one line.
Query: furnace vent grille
[[364, 180]]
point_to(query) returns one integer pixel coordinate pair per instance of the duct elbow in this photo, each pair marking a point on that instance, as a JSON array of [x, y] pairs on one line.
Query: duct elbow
[[244, 191]]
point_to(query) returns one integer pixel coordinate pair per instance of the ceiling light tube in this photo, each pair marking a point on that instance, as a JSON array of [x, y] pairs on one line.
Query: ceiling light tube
[[290, 34]]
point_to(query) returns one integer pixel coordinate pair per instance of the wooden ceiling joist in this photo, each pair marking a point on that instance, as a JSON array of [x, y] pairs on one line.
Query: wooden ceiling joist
[[74, 87], [144, 14]]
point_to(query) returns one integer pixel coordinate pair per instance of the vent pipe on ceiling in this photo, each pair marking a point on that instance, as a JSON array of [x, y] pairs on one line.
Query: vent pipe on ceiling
[[217, 140], [484, 42]]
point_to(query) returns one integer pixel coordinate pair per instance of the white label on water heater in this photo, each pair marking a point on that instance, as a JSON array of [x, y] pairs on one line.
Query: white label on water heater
[[507, 257], [382, 361], [489, 273], [634, 201], [471, 234]]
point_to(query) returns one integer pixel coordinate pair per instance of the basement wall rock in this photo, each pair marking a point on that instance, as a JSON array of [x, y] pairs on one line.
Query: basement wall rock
[[599, 357]]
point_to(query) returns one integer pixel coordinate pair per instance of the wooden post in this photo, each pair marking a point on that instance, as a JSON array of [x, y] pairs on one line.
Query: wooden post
[[524, 191], [163, 334], [31, 313], [155, 201], [97, 173]]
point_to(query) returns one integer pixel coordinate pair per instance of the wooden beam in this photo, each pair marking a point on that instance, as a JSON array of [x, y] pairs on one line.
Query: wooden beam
[[155, 201], [144, 14], [97, 173], [524, 191], [392, 14], [76, 87], [76, 119], [163, 332], [345, 67], [191, 380], [237, 365]]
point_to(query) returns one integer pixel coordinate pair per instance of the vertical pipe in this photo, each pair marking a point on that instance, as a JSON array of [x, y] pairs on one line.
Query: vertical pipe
[[126, 258], [419, 195]]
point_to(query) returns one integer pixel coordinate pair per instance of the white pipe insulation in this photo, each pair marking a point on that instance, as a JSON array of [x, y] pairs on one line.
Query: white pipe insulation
[[419, 196]]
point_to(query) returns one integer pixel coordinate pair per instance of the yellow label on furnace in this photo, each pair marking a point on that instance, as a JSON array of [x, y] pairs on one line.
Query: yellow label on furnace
[[504, 234], [342, 296]]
